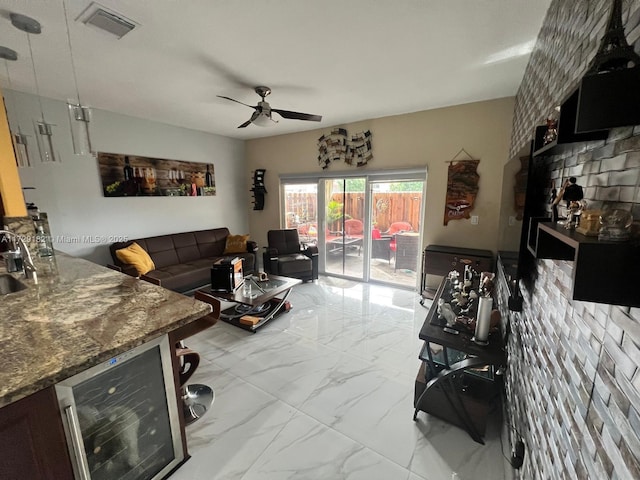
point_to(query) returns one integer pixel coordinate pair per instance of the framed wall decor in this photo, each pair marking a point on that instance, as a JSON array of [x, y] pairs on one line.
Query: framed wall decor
[[136, 176], [462, 188]]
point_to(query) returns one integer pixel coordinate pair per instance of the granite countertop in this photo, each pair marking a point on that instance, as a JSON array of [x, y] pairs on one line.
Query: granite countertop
[[78, 315]]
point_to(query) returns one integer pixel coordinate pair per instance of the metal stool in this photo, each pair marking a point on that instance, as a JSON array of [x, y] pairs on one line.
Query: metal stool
[[196, 398]]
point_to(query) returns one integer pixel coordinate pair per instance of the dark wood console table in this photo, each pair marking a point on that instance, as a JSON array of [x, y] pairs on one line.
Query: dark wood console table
[[440, 260], [456, 380]]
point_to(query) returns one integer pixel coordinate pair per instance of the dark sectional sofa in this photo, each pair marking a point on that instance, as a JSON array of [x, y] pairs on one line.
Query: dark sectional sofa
[[183, 260]]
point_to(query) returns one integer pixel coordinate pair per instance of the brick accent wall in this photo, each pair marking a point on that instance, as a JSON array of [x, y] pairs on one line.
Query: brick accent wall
[[573, 378]]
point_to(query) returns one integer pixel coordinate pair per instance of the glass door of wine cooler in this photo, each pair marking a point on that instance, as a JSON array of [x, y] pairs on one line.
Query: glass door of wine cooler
[[121, 417]]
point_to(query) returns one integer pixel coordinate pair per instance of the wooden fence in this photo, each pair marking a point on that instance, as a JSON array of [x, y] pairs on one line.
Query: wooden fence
[[388, 207]]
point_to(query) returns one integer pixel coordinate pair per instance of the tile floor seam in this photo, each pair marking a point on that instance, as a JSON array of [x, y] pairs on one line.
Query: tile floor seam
[[391, 444], [315, 419], [347, 353], [338, 432]]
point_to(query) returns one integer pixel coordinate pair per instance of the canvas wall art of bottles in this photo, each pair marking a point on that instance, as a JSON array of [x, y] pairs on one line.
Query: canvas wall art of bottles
[[137, 176]]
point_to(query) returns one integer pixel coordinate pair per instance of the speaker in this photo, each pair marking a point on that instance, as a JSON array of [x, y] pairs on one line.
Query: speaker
[[226, 275]]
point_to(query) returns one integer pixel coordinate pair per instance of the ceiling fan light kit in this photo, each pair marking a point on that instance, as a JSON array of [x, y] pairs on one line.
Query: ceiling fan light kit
[[262, 116]]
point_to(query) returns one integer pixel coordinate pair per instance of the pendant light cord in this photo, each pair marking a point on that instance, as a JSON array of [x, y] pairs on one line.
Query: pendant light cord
[[73, 66], [13, 100], [35, 77]]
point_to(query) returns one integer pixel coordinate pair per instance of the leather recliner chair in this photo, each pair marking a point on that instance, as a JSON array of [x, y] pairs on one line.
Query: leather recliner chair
[[286, 256]]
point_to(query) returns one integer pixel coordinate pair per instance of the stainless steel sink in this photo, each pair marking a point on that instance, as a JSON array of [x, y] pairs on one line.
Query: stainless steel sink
[[8, 284]]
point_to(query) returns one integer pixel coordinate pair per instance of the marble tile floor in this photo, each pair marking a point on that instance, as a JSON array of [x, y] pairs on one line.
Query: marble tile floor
[[326, 392]]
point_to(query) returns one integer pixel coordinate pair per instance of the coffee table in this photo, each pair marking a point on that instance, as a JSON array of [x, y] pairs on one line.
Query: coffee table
[[267, 300], [342, 243]]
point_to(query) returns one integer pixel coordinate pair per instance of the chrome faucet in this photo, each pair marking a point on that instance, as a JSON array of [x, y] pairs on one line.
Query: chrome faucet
[[27, 261]]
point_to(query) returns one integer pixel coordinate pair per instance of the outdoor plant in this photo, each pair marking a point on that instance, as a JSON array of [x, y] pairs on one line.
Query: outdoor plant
[[335, 215]]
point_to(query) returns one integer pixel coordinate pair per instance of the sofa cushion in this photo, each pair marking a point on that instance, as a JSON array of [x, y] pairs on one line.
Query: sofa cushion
[[236, 244], [135, 255], [186, 247], [183, 260], [285, 241], [162, 250], [290, 265], [182, 277], [211, 243]]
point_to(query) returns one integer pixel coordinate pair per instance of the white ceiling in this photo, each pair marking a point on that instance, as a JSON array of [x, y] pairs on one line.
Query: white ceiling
[[346, 60]]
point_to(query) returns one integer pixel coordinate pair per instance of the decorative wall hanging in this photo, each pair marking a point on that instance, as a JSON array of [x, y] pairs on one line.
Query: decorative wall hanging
[[135, 176], [258, 189], [462, 187], [336, 146]]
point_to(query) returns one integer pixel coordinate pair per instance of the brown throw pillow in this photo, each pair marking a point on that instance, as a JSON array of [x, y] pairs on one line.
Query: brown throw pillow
[[236, 244]]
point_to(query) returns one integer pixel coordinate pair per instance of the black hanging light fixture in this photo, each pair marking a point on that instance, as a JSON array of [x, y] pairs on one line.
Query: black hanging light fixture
[[609, 96]]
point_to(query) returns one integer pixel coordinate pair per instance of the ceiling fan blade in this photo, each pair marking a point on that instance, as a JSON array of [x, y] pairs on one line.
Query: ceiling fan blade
[[297, 115], [255, 115], [237, 101], [222, 70]]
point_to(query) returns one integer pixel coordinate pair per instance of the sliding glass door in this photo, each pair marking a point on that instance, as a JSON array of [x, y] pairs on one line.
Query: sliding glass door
[[300, 203], [344, 222], [366, 227], [396, 219]]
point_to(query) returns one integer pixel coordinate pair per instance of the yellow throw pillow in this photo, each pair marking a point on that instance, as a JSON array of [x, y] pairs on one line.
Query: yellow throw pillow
[[135, 255], [236, 244]]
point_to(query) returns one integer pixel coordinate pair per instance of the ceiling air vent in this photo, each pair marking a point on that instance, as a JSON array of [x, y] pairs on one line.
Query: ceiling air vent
[[111, 22]]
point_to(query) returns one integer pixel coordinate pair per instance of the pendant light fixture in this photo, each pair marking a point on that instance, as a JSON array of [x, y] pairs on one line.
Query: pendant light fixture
[[79, 115], [44, 132], [19, 139]]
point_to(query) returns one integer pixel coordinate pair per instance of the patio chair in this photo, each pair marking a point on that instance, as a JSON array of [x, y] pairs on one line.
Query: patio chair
[[308, 232], [380, 246], [394, 228], [354, 228], [407, 251]]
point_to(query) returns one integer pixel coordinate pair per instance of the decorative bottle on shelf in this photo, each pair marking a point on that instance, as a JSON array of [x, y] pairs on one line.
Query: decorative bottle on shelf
[[43, 241], [208, 178], [128, 170]]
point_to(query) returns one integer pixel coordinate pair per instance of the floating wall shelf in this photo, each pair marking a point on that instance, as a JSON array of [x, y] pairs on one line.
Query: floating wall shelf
[[567, 136], [602, 271]]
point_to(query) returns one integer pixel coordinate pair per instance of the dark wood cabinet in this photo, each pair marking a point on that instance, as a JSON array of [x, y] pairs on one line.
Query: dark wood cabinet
[[32, 440], [608, 100], [440, 260]]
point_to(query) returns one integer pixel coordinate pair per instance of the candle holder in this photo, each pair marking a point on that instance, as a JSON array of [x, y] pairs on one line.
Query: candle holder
[[483, 321]]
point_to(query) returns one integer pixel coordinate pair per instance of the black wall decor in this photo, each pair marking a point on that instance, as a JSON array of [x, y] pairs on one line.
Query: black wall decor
[[258, 189]]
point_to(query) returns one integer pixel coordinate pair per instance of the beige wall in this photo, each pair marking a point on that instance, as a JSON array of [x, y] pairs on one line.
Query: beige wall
[[428, 138]]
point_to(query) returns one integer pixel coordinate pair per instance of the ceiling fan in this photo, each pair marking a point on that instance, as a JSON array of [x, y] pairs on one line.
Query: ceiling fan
[[262, 115]]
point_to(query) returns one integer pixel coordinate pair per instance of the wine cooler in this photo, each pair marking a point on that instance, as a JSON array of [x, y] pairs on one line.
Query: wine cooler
[[121, 418]]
